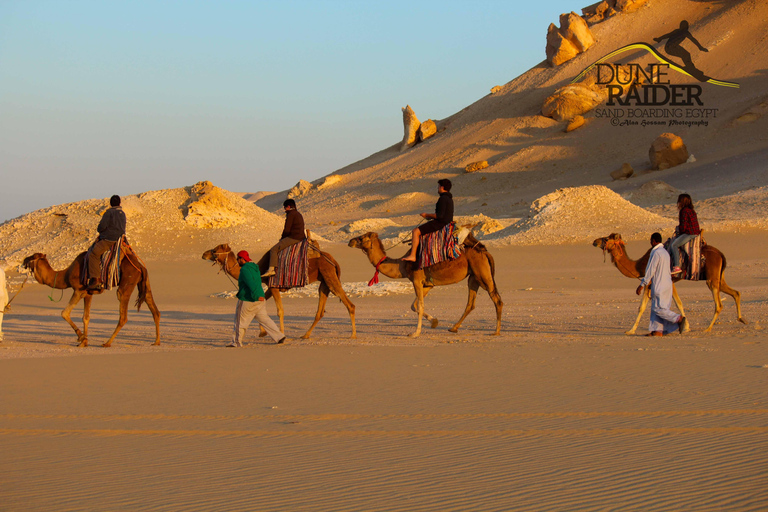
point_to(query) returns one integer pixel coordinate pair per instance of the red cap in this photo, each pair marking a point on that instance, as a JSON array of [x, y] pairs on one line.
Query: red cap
[[244, 255]]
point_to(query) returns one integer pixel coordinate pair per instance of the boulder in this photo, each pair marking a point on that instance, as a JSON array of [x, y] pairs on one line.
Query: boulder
[[559, 49], [410, 126], [495, 89], [570, 101], [576, 122], [427, 129], [625, 172], [330, 181], [476, 166], [575, 29], [629, 5], [301, 189], [667, 151]]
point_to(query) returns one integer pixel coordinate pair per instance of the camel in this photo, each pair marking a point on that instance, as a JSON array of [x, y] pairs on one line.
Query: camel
[[132, 273], [323, 268], [713, 268], [475, 262]]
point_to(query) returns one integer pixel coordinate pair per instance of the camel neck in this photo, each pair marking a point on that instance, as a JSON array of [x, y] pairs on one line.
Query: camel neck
[[389, 267], [230, 265], [44, 274], [626, 266]]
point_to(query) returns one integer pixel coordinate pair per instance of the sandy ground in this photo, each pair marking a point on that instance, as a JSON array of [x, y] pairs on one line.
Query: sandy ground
[[560, 412]]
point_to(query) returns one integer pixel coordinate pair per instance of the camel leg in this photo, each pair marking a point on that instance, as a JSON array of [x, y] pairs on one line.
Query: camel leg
[[125, 298], [86, 316], [150, 300], [736, 297], [643, 304], [66, 314], [334, 285], [714, 287], [419, 289], [679, 303], [323, 297], [414, 307], [275, 293], [473, 285]]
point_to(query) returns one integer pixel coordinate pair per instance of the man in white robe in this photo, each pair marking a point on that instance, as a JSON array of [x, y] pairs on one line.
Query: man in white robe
[[657, 275]]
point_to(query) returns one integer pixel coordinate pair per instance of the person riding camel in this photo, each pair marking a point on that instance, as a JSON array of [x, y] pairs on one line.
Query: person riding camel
[[293, 233], [686, 230], [111, 228], [442, 217]]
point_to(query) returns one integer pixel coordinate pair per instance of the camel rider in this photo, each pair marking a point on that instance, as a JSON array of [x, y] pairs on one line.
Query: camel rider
[[442, 217], [293, 233], [111, 228]]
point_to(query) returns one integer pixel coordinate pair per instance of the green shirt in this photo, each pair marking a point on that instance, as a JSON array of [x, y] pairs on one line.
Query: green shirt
[[249, 283]]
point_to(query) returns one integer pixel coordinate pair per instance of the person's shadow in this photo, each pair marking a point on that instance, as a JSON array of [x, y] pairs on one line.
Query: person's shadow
[[673, 48]]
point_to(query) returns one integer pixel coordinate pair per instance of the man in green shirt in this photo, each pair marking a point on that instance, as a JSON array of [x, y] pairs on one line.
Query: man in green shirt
[[251, 302]]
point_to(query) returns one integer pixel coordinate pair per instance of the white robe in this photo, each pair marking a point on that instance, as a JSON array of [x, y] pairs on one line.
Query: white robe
[[657, 274]]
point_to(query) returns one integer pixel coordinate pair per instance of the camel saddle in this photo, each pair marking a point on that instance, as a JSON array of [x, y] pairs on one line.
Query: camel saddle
[[437, 247], [292, 269], [692, 259], [110, 264]]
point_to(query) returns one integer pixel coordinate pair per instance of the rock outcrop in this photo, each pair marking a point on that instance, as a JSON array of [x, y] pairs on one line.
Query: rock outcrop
[[576, 122], [668, 150], [410, 126], [301, 189], [599, 11], [571, 101], [427, 129], [476, 166], [572, 38], [623, 173]]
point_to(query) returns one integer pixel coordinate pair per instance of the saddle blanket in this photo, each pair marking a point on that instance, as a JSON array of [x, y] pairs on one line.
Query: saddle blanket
[[292, 269], [110, 265], [696, 259], [438, 247]]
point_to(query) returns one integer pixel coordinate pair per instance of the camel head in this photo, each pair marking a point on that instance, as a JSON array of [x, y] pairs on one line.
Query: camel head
[[30, 262], [365, 242], [608, 243], [218, 253]]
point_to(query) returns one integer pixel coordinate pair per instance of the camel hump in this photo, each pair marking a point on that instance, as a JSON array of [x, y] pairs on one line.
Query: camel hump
[[314, 247], [470, 242]]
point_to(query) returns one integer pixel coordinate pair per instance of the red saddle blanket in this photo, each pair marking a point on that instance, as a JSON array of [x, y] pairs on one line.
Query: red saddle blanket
[[438, 247], [292, 269]]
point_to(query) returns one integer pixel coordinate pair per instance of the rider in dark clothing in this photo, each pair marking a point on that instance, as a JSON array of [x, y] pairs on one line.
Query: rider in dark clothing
[[442, 217]]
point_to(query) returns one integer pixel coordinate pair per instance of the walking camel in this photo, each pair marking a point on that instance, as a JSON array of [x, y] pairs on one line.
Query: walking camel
[[132, 274], [323, 268], [475, 262], [714, 268]]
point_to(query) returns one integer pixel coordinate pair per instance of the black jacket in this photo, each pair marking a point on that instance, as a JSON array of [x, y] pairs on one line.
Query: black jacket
[[112, 225], [444, 209]]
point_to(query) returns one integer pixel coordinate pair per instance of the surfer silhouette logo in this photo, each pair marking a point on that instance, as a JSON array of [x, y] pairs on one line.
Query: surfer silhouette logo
[[673, 48]]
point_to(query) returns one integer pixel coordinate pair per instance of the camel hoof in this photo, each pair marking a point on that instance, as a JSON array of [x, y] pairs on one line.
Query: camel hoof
[[353, 337], [262, 334], [742, 320], [107, 344], [434, 323], [453, 329], [630, 333], [156, 343], [414, 335], [83, 342], [305, 337]]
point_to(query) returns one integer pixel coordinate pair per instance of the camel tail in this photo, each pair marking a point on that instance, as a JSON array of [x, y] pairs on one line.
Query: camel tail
[[143, 286], [493, 268]]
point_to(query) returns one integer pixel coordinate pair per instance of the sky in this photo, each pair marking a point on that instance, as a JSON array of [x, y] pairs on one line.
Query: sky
[[100, 98]]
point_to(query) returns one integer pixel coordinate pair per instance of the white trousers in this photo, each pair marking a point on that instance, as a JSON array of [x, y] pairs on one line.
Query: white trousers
[[247, 311]]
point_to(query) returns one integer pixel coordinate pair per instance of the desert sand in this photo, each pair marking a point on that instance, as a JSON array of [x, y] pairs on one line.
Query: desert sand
[[562, 411]]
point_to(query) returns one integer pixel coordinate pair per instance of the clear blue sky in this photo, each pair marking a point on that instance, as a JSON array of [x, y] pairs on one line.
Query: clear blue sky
[[104, 97]]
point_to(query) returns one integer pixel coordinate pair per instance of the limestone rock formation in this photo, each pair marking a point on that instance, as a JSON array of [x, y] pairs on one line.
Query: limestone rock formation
[[410, 125], [667, 151], [623, 173], [476, 166], [301, 189], [330, 181], [599, 11], [427, 129], [576, 122], [559, 49], [575, 29], [572, 38], [495, 89], [570, 101]]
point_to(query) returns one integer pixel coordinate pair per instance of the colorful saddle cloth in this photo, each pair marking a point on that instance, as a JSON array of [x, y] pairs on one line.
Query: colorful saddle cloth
[[292, 269], [110, 265], [694, 259], [438, 247]]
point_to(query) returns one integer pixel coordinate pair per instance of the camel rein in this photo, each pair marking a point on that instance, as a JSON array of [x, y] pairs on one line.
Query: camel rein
[[8, 305], [616, 261], [224, 266]]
